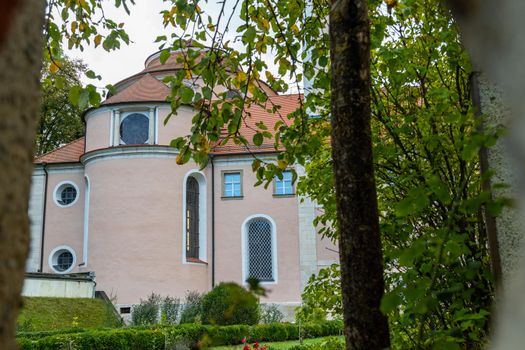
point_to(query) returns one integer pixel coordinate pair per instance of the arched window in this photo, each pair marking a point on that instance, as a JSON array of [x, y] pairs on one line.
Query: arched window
[[192, 218], [260, 250]]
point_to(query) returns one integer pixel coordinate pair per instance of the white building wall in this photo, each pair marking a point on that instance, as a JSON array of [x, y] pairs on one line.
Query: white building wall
[[36, 210], [307, 236], [58, 288]]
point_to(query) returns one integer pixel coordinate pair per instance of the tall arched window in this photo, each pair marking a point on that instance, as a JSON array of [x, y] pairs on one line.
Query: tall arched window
[[260, 250], [192, 218]]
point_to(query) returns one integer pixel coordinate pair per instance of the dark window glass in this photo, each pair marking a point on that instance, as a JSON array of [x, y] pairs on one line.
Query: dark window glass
[[260, 262], [134, 129], [192, 218], [64, 261], [67, 195], [125, 310]]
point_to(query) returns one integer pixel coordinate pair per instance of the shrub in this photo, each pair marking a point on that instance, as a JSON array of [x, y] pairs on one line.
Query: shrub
[[191, 312], [270, 313], [161, 337], [147, 312], [229, 303], [170, 309]]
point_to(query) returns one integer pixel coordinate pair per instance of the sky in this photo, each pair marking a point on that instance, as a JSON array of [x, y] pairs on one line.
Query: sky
[[143, 26]]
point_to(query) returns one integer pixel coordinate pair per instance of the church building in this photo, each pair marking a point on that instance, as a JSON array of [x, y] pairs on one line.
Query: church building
[[116, 203]]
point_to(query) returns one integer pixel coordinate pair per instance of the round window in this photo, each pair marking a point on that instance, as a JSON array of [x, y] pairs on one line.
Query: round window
[[62, 259], [134, 129], [66, 194]]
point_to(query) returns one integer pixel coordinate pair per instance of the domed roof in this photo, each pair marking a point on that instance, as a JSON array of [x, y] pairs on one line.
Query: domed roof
[[145, 89]]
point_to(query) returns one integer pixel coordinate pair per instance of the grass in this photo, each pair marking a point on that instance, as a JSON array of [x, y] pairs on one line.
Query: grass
[[277, 345], [46, 314]]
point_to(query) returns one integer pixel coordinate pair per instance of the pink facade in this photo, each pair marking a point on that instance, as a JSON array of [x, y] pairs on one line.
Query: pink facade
[[132, 220]]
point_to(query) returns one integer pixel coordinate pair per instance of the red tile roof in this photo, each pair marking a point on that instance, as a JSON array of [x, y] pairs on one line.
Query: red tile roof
[[287, 104], [145, 89], [69, 153]]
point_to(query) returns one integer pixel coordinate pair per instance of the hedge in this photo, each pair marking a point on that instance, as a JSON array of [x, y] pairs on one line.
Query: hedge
[[166, 337]]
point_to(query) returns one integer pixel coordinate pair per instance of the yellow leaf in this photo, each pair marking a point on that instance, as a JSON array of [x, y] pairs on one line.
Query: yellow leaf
[[98, 39], [54, 67], [74, 26], [265, 24], [240, 78], [295, 28], [282, 164], [179, 159]]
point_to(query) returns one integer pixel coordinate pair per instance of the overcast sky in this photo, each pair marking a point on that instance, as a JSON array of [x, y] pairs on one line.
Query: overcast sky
[[143, 26]]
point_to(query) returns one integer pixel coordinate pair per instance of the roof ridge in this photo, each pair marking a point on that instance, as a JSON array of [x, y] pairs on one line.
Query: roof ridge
[[59, 148]]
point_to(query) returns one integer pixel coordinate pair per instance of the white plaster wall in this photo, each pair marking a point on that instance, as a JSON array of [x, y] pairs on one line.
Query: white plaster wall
[[36, 209], [307, 236], [59, 288]]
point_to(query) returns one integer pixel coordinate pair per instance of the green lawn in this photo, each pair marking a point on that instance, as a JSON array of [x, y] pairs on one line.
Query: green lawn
[[47, 314], [275, 346]]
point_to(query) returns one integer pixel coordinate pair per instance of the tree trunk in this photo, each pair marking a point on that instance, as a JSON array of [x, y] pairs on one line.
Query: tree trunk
[[20, 63], [358, 222]]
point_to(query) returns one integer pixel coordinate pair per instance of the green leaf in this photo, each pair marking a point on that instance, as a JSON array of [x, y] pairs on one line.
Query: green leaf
[[186, 95], [258, 139], [164, 55]]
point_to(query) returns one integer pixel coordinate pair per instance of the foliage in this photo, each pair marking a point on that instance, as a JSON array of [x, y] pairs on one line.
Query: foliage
[[60, 119], [191, 312], [270, 313], [229, 303], [79, 24], [426, 142], [49, 314], [162, 336], [170, 310], [147, 312], [322, 296]]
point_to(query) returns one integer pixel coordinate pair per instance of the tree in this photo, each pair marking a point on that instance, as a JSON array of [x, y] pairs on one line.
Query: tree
[[20, 62], [60, 121], [360, 252], [21, 42]]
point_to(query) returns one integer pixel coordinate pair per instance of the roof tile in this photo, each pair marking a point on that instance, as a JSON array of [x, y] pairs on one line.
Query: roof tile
[[69, 153], [146, 89]]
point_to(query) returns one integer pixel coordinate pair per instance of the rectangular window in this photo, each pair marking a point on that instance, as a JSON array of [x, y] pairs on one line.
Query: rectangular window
[[284, 186], [125, 310], [232, 186]]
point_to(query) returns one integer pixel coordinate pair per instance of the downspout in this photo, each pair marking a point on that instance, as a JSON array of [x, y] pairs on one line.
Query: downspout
[[212, 222], [43, 219]]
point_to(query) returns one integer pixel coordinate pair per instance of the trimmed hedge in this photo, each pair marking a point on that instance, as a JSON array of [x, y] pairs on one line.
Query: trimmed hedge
[[161, 338]]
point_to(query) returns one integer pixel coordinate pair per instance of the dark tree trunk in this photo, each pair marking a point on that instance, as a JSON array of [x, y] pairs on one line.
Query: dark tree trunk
[[359, 244], [20, 61]]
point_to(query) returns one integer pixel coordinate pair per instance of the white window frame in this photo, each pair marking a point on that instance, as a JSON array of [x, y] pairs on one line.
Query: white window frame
[[281, 184], [59, 187], [53, 256], [203, 237], [231, 184], [245, 251]]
